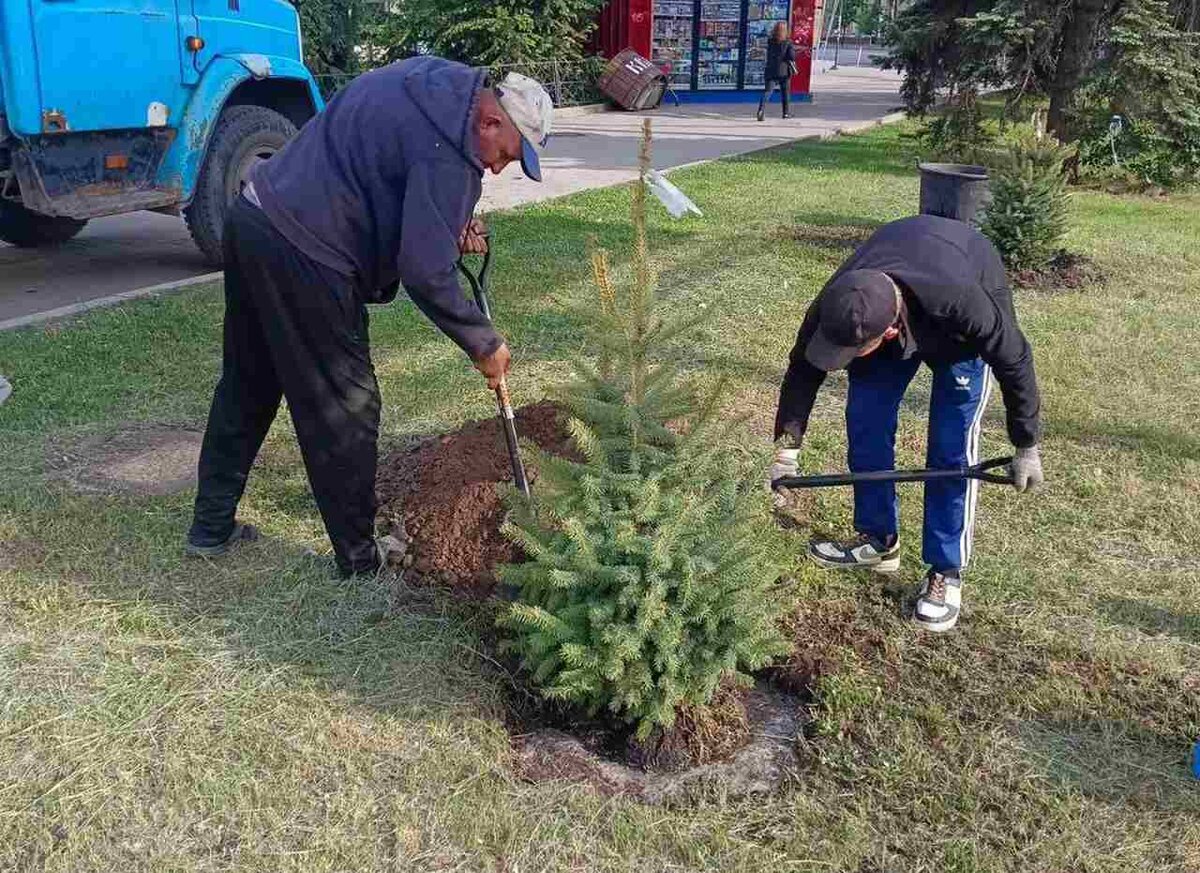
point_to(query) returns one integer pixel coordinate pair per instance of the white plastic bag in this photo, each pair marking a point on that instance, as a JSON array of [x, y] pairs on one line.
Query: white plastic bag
[[676, 201]]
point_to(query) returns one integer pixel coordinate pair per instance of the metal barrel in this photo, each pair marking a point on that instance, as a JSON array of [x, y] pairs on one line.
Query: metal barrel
[[958, 191]]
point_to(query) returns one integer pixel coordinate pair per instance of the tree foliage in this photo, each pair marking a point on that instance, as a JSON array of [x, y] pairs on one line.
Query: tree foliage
[[1027, 217], [488, 32], [654, 562], [1091, 59]]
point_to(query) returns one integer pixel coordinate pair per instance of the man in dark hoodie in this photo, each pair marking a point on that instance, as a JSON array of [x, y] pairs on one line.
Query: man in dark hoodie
[[375, 192], [922, 289]]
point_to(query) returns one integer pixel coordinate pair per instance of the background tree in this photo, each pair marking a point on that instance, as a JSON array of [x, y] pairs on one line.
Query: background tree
[[489, 32], [1091, 59]]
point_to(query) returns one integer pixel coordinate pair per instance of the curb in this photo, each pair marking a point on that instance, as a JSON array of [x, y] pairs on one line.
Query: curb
[[585, 109], [856, 127], [111, 300]]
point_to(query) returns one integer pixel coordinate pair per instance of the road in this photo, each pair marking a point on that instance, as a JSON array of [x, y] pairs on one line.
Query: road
[[130, 252]]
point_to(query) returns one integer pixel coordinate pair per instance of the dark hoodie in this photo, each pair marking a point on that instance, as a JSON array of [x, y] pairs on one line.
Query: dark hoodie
[[380, 185]]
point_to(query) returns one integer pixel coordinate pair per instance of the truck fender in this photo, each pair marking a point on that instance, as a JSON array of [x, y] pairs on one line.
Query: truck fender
[[181, 165]]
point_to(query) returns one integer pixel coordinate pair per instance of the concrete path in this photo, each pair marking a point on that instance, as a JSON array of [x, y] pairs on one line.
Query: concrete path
[[122, 256]]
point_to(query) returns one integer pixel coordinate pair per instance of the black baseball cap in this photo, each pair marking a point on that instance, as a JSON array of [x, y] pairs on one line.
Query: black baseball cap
[[852, 310]]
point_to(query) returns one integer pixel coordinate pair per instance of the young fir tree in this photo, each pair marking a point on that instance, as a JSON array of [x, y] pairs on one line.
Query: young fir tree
[[654, 563]]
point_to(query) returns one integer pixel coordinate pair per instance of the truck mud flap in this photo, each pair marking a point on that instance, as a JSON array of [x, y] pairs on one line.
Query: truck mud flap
[[87, 175]]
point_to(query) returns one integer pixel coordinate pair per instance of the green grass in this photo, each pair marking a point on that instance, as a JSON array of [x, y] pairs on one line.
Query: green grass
[[256, 714]]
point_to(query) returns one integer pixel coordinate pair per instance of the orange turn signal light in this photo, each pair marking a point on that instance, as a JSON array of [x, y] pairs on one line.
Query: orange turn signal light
[[194, 43]]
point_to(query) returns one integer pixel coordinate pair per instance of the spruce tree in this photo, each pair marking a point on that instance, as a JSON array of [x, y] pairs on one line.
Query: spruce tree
[[653, 564]]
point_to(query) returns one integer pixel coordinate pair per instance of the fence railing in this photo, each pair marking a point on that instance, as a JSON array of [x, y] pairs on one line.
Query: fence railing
[[569, 83]]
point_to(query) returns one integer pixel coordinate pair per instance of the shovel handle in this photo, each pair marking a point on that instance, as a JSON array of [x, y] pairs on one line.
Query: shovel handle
[[479, 282], [479, 285], [976, 471]]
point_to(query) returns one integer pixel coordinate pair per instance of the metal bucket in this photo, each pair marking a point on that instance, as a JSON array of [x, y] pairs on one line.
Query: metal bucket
[[958, 191]]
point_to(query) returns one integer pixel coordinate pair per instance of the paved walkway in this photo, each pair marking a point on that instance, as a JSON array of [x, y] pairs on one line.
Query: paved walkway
[[124, 254], [591, 151]]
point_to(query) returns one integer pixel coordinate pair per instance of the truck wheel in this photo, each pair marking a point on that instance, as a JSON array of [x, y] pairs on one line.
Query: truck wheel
[[28, 230], [244, 136]]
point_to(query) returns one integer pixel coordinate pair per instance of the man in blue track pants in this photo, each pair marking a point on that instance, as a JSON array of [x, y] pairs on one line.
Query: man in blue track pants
[[920, 290]]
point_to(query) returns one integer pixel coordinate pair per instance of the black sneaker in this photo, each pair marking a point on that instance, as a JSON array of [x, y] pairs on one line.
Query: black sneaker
[[938, 602], [863, 552], [241, 532]]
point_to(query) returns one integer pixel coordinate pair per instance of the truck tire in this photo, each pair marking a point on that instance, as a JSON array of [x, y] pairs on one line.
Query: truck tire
[[244, 136], [27, 230]]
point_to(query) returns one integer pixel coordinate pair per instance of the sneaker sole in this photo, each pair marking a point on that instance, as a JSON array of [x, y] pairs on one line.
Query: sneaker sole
[[887, 565], [936, 627]]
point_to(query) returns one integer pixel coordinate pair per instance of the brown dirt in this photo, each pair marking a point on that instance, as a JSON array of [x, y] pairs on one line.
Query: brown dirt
[[762, 764], [1065, 271], [443, 492], [837, 237], [140, 459], [824, 635]]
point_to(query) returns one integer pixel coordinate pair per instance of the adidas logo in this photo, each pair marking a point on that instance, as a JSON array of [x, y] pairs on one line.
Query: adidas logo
[[964, 383]]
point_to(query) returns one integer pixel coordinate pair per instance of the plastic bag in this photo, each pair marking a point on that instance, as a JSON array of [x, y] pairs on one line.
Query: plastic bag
[[676, 201]]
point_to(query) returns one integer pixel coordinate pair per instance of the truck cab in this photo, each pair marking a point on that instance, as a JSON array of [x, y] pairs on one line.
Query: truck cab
[[112, 106]]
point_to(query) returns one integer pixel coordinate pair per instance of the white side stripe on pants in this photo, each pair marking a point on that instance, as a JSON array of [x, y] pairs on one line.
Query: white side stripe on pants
[[973, 440]]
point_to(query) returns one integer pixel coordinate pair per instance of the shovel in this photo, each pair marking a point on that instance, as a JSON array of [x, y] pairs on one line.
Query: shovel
[[976, 471], [479, 288]]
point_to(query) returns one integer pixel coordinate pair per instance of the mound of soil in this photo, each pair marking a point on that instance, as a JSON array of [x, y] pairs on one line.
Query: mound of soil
[[761, 763], [440, 498], [1065, 271]]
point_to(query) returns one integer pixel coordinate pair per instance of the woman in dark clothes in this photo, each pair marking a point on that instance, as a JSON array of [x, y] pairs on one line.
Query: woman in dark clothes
[[781, 59]]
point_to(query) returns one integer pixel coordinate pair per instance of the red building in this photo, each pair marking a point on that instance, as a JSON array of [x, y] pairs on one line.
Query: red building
[[710, 49]]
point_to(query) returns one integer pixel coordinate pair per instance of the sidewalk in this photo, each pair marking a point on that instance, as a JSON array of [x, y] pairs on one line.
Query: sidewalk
[[142, 254], [591, 151]]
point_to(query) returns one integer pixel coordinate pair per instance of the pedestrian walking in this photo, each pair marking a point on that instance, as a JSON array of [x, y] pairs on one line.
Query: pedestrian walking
[[781, 66]]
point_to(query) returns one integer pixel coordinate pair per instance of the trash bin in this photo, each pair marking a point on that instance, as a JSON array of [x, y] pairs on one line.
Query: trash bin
[[958, 191], [632, 82]]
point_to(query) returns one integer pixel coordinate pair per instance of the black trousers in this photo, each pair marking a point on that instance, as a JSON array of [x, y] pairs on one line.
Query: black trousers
[[295, 329], [785, 90]]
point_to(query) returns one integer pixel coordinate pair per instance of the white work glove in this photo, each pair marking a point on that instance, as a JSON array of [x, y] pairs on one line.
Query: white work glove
[[787, 463], [1027, 469]]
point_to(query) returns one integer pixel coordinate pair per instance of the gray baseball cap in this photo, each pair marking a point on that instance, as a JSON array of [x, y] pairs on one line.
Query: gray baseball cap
[[532, 111]]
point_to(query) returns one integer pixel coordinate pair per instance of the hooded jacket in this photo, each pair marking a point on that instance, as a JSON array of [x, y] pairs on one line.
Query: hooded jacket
[[959, 307], [380, 185]]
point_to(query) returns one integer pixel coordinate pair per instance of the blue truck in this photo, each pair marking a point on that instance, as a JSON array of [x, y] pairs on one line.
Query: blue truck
[[113, 106]]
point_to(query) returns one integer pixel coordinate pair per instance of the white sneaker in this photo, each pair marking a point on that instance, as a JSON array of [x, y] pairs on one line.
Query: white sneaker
[[863, 552], [938, 602]]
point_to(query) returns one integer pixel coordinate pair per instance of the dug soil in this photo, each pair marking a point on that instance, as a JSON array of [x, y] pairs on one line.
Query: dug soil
[[440, 499], [1065, 271]]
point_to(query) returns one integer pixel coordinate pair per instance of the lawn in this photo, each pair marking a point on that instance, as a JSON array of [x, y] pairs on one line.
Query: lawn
[[257, 714]]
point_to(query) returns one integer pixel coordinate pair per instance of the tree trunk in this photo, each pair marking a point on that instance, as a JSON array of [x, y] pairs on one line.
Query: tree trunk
[[1074, 60]]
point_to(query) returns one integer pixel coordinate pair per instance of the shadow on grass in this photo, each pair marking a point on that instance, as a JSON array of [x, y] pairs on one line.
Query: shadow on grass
[[1178, 443], [1150, 619], [1115, 761]]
